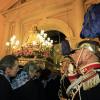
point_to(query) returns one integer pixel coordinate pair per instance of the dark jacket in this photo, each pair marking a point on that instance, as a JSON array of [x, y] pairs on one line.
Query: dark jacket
[[5, 89], [32, 90], [51, 89], [51, 82]]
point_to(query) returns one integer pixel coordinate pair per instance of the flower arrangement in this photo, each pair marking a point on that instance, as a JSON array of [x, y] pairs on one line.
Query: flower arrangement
[[24, 53], [31, 51]]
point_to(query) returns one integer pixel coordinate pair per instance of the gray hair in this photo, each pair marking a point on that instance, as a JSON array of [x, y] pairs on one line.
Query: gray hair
[[32, 67]]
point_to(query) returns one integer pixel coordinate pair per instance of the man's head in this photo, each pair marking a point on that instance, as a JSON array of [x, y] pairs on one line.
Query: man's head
[[90, 45], [9, 64]]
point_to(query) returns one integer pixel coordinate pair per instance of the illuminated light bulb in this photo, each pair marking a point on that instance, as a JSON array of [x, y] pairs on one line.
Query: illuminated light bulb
[[17, 42], [51, 41], [7, 43], [45, 35], [14, 37], [11, 39], [14, 47], [34, 43], [48, 39], [42, 32], [46, 42]]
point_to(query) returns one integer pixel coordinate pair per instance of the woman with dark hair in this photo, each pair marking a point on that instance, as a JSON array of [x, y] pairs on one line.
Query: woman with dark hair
[[8, 68]]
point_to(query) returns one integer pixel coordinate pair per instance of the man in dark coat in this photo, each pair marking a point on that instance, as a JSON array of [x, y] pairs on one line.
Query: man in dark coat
[[8, 68]]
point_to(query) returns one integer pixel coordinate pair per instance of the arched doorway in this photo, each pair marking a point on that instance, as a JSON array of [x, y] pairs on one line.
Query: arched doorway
[[48, 24], [56, 36]]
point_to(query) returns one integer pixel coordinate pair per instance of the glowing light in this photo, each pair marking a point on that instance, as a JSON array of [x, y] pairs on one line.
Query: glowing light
[[13, 42]]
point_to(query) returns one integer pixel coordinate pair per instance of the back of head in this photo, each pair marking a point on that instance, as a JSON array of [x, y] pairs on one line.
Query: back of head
[[31, 67], [7, 61]]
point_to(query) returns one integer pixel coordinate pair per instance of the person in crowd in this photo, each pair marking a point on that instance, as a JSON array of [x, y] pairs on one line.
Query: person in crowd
[[88, 66], [86, 85], [32, 89], [8, 68], [51, 80], [21, 78], [68, 75]]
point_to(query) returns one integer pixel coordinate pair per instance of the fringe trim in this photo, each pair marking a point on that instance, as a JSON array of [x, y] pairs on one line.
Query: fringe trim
[[92, 82]]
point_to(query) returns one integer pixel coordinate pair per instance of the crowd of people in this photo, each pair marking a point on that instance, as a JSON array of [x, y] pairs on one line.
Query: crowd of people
[[28, 82], [78, 78]]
